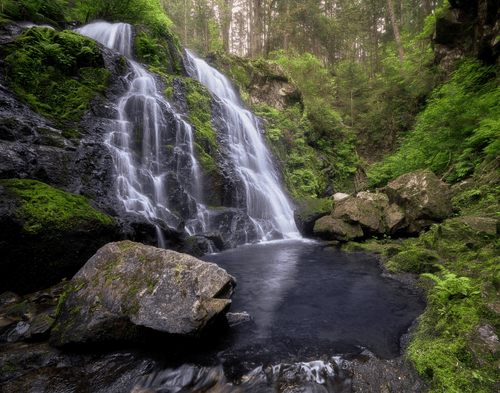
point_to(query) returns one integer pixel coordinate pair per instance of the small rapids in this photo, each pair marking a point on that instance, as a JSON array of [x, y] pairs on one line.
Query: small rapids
[[314, 377]]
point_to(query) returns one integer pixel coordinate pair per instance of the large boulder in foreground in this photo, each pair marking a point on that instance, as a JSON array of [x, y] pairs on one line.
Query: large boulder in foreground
[[308, 212], [128, 288], [424, 198]]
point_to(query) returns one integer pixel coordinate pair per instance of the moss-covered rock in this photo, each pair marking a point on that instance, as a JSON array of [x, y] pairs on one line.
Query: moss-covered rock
[[329, 228], [414, 260], [361, 211], [47, 234], [261, 82], [424, 198], [56, 73], [126, 287], [308, 212]]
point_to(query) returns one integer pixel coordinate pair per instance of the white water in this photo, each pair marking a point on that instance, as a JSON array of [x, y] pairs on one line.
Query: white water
[[139, 136], [265, 201], [141, 132]]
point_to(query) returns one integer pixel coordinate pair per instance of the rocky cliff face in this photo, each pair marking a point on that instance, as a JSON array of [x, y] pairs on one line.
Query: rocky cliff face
[[468, 28], [72, 154]]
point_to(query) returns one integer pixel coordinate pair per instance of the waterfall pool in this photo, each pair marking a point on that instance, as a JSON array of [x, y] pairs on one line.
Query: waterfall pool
[[314, 309]]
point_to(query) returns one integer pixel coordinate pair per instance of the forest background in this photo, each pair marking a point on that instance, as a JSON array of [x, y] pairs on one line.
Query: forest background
[[377, 100]]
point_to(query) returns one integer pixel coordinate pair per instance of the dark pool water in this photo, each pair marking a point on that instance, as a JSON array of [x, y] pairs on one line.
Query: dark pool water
[[307, 299], [313, 309]]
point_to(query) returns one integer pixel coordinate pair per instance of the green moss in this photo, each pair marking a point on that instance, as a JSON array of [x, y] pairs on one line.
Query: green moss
[[62, 298], [20, 309], [46, 210], [125, 245], [413, 260], [168, 92], [160, 50], [56, 73], [199, 99], [313, 206]]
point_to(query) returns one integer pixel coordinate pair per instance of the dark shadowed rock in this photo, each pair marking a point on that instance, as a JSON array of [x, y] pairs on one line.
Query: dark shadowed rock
[[308, 212], [127, 286], [329, 228], [46, 234]]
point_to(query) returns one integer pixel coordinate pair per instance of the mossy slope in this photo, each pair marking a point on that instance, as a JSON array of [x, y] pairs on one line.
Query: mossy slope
[[58, 231]]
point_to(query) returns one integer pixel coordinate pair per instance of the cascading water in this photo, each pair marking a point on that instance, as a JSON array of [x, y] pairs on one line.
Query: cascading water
[[266, 204], [158, 175], [147, 126]]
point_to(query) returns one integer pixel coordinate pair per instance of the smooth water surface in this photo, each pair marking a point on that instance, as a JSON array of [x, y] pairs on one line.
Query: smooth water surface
[[307, 300]]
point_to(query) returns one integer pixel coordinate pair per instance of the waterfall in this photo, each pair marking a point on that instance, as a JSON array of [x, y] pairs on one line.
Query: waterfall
[[147, 130], [266, 203], [157, 172]]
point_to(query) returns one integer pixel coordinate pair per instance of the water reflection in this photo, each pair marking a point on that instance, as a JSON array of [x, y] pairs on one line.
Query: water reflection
[[305, 298]]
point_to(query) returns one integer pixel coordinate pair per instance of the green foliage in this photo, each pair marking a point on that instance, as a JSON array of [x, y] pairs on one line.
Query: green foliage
[[48, 211], [57, 73], [199, 99], [160, 51], [42, 12], [456, 131]]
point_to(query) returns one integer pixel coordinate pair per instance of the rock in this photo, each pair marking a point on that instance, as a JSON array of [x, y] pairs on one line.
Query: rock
[[216, 238], [46, 234], [339, 196], [394, 217], [237, 318], [329, 228], [308, 212], [363, 212], [422, 196], [127, 286], [489, 338]]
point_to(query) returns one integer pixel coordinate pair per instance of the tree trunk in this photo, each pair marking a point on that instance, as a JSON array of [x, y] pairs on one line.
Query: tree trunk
[[395, 28], [286, 41], [185, 22], [227, 16], [257, 29], [427, 7]]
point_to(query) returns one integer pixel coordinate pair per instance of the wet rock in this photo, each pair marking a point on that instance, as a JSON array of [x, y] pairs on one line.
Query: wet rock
[[308, 212], [371, 374], [329, 228], [424, 198], [126, 286], [216, 238], [237, 318]]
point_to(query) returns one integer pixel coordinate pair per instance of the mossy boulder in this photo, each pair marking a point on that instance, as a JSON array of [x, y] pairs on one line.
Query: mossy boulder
[[329, 228], [308, 212], [414, 260], [361, 211], [128, 288], [46, 234], [424, 198]]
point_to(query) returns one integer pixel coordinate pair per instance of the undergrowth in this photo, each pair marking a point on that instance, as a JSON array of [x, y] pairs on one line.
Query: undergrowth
[[56, 73]]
